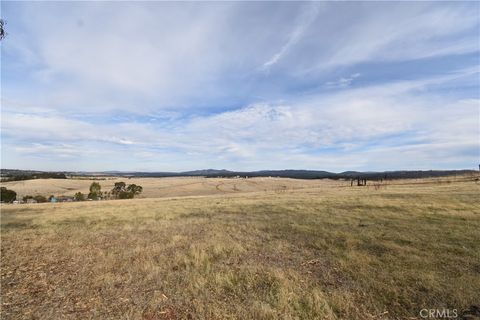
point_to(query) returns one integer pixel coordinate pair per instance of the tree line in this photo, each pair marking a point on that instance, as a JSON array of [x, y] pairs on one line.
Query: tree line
[[120, 191], [39, 175]]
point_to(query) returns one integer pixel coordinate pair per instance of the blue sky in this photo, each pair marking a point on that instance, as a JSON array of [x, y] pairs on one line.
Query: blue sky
[[173, 86]]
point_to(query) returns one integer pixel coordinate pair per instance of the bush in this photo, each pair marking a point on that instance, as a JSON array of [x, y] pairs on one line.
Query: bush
[[40, 198], [37, 198], [7, 195], [79, 196], [125, 195]]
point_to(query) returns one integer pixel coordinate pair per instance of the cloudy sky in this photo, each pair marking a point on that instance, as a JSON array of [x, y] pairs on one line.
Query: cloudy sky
[[162, 86]]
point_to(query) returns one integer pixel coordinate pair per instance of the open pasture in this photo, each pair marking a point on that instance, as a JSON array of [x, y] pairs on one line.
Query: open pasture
[[322, 251], [168, 187]]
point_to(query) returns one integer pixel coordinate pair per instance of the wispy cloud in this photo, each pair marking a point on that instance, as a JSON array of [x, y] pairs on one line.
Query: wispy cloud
[[307, 17], [179, 86], [342, 82], [349, 122]]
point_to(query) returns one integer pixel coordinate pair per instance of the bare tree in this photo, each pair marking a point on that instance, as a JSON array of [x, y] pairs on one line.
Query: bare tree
[[2, 30]]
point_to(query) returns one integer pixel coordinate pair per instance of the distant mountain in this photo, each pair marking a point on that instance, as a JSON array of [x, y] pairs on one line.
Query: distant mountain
[[205, 172], [13, 174], [298, 174]]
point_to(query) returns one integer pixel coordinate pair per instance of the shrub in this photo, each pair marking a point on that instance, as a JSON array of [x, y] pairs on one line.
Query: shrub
[[40, 198], [79, 196], [7, 195], [125, 195]]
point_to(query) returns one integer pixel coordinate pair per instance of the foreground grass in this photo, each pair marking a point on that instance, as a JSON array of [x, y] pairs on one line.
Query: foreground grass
[[342, 253]]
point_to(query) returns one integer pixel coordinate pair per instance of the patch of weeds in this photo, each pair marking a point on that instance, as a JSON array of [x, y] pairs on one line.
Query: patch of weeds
[[267, 286], [403, 242], [374, 249], [69, 222], [16, 225], [198, 214], [251, 285]]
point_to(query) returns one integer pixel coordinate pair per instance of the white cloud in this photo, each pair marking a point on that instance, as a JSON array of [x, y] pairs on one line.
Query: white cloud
[[100, 69], [417, 129], [383, 32], [305, 20], [129, 57], [342, 82]]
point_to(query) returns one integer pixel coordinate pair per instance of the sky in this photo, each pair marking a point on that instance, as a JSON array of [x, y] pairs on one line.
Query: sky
[[176, 86]]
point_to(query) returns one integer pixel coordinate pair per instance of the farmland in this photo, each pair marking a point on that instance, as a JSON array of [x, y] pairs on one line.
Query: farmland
[[263, 248], [167, 187]]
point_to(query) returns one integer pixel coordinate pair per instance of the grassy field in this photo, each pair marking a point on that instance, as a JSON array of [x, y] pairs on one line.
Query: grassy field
[[320, 252], [167, 187]]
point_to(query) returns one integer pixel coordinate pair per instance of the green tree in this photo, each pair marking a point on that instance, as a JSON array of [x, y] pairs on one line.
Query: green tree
[[79, 196], [118, 188], [7, 195], [95, 191], [127, 193], [134, 189]]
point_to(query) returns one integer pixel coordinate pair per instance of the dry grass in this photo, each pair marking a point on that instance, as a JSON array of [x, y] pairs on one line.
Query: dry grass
[[316, 253], [167, 187]]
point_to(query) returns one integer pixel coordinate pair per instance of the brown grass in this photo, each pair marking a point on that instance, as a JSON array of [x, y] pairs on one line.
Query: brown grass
[[328, 252], [167, 187]]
